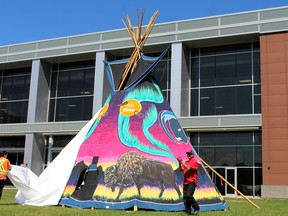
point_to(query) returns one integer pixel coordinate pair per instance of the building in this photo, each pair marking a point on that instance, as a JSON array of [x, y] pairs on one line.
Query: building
[[226, 81]]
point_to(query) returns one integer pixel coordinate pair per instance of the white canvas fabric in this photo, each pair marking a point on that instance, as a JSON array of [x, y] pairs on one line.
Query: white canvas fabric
[[48, 188]]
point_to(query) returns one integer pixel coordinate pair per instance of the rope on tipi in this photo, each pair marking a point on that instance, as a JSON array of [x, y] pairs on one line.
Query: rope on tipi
[[138, 40]]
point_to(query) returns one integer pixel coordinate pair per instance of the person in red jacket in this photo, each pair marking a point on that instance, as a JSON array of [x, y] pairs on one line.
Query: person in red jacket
[[5, 167], [190, 171]]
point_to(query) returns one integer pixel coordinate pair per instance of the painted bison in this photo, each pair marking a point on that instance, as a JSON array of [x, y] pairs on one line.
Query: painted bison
[[133, 168]]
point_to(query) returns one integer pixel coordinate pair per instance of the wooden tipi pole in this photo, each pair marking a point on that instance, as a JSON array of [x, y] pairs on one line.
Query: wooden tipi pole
[[138, 40]]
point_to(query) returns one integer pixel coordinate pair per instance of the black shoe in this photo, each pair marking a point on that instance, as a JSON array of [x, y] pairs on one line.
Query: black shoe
[[188, 212]]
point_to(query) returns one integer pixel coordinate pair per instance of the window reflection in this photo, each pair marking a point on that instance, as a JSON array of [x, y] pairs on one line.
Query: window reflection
[[229, 148], [228, 77], [72, 88], [14, 92]]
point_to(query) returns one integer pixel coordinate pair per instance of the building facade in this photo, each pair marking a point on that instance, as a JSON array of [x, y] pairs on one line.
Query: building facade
[[226, 78]]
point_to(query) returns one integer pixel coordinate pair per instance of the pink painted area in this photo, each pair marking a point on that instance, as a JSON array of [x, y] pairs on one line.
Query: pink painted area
[[105, 143]]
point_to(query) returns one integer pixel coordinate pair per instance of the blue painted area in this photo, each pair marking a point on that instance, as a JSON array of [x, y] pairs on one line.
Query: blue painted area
[[139, 203]]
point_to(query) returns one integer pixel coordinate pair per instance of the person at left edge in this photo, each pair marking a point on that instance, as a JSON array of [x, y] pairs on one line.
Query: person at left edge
[[5, 167]]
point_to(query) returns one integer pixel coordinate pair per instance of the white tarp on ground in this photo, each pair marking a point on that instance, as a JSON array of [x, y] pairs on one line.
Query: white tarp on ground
[[48, 188]]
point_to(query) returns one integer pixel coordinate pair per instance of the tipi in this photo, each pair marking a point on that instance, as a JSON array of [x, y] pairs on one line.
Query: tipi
[[129, 155], [126, 155]]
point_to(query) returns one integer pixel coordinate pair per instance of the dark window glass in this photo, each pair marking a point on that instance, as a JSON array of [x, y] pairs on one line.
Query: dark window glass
[[207, 71], [207, 51], [194, 52], [194, 72], [72, 87], [74, 109], [16, 157], [257, 99], [218, 182], [17, 71], [194, 102], [225, 156], [256, 67], [256, 46], [236, 66], [61, 141], [54, 84], [51, 110], [55, 154], [243, 99], [231, 48], [243, 47], [194, 140], [245, 181], [258, 181], [12, 142], [244, 156], [257, 138], [15, 88], [243, 68], [207, 154], [258, 156], [225, 102], [225, 70], [244, 138], [74, 65], [13, 112], [207, 102], [77, 82], [226, 139]]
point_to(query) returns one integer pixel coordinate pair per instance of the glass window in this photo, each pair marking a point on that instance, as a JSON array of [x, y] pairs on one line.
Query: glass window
[[227, 77], [244, 156], [225, 156], [194, 72], [72, 88], [12, 142], [258, 156], [194, 102], [243, 99], [225, 70], [257, 99], [16, 157], [13, 112], [207, 71], [74, 109], [258, 181], [77, 82], [225, 101], [207, 154], [243, 146], [61, 141], [15, 87], [245, 180]]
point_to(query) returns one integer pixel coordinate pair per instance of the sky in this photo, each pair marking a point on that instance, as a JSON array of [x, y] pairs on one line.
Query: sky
[[33, 20]]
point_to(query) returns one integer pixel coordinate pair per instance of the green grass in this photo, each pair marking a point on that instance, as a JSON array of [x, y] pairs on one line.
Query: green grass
[[238, 206]]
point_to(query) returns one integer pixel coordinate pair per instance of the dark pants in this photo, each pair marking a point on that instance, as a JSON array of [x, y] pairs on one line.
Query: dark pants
[[2, 183], [189, 200]]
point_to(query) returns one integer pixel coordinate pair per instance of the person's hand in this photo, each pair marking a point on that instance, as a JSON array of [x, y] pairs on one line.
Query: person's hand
[[180, 159]]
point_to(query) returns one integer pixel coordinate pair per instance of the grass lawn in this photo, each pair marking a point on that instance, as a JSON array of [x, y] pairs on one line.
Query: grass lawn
[[238, 206]]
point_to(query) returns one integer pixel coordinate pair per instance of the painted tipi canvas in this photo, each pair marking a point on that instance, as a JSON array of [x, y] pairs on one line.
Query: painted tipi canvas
[[129, 155]]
